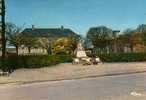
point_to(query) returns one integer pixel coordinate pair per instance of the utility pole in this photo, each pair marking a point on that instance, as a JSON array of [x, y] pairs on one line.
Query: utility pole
[[2, 14]]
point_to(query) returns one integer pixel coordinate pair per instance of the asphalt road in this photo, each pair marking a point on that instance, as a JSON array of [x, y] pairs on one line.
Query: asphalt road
[[122, 87]]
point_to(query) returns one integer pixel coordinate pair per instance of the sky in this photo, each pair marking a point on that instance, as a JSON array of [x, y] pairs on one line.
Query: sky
[[78, 15]]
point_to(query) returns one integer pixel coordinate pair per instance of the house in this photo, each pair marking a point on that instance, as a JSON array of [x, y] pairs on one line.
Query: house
[[133, 43], [49, 34], [138, 43]]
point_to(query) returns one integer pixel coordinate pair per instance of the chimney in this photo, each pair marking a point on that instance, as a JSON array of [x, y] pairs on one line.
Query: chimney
[[62, 27], [33, 27]]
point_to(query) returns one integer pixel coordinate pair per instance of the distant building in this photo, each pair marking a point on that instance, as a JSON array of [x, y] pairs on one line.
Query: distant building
[[49, 33], [138, 43], [133, 43]]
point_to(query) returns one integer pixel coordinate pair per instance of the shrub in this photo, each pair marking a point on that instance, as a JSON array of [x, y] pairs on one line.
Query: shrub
[[34, 61], [38, 61], [65, 58], [123, 57]]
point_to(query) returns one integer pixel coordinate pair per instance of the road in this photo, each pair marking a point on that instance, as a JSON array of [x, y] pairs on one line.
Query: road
[[121, 87]]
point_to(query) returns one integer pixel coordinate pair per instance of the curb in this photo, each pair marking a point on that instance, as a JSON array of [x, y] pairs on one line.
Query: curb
[[67, 79]]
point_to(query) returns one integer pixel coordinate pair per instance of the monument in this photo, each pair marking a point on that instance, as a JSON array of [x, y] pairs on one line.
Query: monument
[[80, 51], [81, 56]]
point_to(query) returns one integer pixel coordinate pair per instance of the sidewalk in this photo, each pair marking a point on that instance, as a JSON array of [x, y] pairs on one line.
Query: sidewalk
[[68, 71]]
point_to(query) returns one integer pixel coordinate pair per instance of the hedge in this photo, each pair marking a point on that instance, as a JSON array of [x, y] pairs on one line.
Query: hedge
[[123, 57], [34, 61], [38, 61]]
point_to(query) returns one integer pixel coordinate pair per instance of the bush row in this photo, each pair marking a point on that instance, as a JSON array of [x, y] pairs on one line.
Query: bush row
[[37, 61], [123, 57], [34, 61]]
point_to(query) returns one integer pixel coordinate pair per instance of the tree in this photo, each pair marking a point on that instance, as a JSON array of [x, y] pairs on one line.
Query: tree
[[13, 35], [73, 41], [61, 46], [125, 39], [17, 39], [129, 32], [11, 28], [45, 43], [65, 45], [141, 28], [28, 41], [100, 36]]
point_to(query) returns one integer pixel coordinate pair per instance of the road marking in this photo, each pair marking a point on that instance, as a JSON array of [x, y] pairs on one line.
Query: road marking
[[135, 94]]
